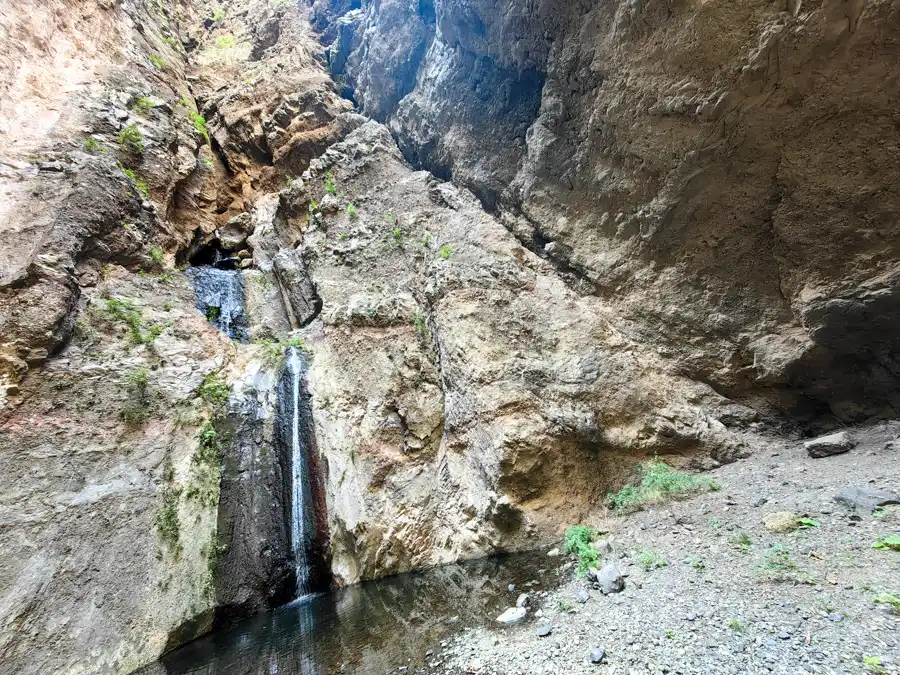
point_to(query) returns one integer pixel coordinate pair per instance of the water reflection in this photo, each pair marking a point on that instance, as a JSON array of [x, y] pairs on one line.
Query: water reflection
[[370, 628]]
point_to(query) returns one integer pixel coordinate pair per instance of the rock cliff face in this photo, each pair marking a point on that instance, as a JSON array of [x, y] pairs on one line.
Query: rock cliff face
[[722, 176], [668, 226]]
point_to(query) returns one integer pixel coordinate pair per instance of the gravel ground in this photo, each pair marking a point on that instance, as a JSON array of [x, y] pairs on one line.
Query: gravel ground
[[721, 601]]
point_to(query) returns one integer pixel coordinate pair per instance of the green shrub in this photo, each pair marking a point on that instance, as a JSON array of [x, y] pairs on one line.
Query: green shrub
[[206, 468], [887, 543], [144, 105], [218, 14], [351, 211], [214, 390], [446, 251], [156, 255], [92, 146], [125, 312], [168, 525], [330, 186], [577, 541], [420, 324], [397, 236], [132, 139], [225, 42], [736, 625], [137, 407], [139, 185], [157, 62], [659, 484], [199, 122], [649, 559]]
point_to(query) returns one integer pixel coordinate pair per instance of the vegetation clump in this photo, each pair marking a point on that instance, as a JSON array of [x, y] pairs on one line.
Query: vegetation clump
[[132, 139], [206, 467], [891, 601], [649, 559], [92, 146], [659, 484], [167, 523], [144, 105], [446, 252], [887, 543], [352, 212], [140, 185], [157, 62], [137, 408], [577, 541], [330, 186], [127, 313], [214, 390], [200, 124]]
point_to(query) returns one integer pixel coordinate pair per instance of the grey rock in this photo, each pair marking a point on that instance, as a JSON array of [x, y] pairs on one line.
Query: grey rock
[[837, 617], [760, 502], [866, 499], [512, 616], [603, 547], [598, 654], [832, 444], [522, 600], [582, 596], [543, 628], [610, 579]]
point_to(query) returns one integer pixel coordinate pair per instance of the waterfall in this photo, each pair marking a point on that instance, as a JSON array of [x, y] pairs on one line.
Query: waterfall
[[220, 296], [302, 527]]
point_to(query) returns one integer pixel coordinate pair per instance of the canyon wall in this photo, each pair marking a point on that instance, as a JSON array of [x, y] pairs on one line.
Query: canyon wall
[[724, 176], [550, 239]]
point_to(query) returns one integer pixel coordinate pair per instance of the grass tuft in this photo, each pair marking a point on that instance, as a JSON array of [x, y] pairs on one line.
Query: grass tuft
[[659, 484]]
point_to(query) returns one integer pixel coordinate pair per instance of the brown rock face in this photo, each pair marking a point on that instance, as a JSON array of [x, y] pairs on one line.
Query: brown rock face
[[667, 224], [724, 176]]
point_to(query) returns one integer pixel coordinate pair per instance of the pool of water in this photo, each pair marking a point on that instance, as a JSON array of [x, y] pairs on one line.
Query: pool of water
[[375, 627]]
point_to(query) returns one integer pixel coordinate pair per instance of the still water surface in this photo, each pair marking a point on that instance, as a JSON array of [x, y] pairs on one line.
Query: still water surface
[[371, 628]]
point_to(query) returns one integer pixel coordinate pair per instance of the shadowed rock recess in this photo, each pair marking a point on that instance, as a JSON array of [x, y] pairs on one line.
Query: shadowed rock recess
[[521, 246]]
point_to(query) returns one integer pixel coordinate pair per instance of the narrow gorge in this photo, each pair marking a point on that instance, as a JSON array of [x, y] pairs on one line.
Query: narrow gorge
[[299, 294]]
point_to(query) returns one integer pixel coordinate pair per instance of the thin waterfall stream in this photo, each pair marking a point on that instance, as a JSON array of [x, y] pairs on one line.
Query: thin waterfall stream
[[301, 523]]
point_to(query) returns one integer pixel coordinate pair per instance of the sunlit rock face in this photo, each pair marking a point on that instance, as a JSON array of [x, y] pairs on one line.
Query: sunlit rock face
[[521, 245], [709, 170]]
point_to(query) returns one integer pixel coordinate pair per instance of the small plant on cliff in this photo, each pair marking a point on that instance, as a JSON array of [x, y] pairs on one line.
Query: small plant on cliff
[[214, 390], [420, 323], [157, 62], [577, 541], [167, 523], [144, 105], [330, 186], [225, 42], [397, 236], [352, 212], [199, 122], [132, 139], [218, 14], [127, 313], [659, 483], [446, 252], [156, 255], [139, 185], [92, 146], [137, 408], [206, 469]]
